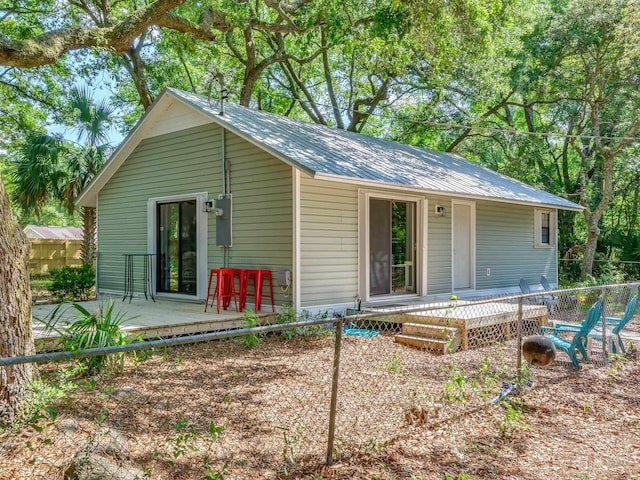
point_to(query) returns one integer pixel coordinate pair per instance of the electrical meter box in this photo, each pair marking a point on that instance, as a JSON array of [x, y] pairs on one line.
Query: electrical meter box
[[222, 209]]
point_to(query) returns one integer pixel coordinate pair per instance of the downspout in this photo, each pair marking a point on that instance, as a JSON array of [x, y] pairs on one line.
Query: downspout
[[225, 169], [226, 179]]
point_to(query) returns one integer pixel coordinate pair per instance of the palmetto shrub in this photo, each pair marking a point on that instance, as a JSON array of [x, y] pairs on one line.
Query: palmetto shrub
[[99, 329]]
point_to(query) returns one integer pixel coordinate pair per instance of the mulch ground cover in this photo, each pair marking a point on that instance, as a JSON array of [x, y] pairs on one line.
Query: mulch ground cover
[[222, 410]]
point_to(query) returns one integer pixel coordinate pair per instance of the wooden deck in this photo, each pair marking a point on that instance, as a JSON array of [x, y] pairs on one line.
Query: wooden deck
[[168, 318], [148, 319], [465, 316]]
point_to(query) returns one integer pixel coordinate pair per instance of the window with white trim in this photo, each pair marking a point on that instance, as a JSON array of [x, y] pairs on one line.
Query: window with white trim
[[545, 228]]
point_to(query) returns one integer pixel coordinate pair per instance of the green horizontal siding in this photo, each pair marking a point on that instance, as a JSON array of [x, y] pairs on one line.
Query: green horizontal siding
[[328, 242], [177, 163], [439, 248], [262, 189], [190, 161], [505, 244]]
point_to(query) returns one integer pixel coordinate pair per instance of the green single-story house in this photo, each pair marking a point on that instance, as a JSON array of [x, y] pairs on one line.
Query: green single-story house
[[332, 214]]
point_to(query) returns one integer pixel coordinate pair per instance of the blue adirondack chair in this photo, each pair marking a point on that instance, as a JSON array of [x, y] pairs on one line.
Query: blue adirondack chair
[[575, 337], [617, 324]]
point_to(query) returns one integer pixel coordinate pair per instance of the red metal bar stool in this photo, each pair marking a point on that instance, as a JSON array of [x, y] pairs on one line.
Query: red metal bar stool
[[258, 277], [239, 272], [225, 288], [213, 295]]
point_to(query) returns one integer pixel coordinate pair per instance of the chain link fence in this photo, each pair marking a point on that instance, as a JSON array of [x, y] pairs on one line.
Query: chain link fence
[[304, 395]]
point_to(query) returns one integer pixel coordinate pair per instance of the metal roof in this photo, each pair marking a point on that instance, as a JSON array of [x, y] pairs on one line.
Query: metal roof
[[323, 151], [53, 232]]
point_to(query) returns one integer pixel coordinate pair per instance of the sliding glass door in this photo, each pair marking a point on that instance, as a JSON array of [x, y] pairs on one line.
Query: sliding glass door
[[177, 242], [392, 240]]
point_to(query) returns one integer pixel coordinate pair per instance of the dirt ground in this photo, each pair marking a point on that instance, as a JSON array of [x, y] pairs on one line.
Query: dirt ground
[[222, 410]]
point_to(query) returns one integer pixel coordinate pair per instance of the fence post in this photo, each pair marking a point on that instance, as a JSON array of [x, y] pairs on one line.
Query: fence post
[[519, 341], [334, 390], [605, 340]]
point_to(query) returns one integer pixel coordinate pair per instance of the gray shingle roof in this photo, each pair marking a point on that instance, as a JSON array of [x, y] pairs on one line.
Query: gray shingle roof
[[324, 151]]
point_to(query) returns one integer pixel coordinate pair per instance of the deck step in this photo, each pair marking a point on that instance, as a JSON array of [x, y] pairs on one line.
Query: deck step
[[432, 344], [437, 338], [428, 330]]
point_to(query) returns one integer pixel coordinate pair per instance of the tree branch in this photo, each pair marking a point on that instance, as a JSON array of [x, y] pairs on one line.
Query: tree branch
[[200, 30], [484, 116], [25, 93], [310, 105], [359, 117], [329, 81], [47, 48]]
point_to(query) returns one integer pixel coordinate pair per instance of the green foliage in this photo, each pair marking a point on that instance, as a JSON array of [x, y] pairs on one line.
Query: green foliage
[[455, 389], [291, 440], [287, 315], [251, 340], [72, 282], [513, 419], [48, 169], [28, 97], [183, 442], [51, 213], [462, 476], [481, 383], [616, 366], [214, 431], [216, 474], [45, 394], [187, 440], [290, 315], [393, 365], [140, 356], [487, 377], [100, 329]]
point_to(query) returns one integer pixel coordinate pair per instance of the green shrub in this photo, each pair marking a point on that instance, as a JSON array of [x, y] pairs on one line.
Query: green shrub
[[250, 318], [72, 283], [99, 329], [48, 392], [288, 315]]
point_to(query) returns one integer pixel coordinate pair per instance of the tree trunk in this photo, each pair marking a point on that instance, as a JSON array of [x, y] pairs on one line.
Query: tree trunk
[[16, 336], [88, 252], [135, 65], [593, 217], [590, 250]]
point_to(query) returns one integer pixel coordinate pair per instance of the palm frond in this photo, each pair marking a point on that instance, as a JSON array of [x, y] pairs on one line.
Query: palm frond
[[38, 171], [93, 120]]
